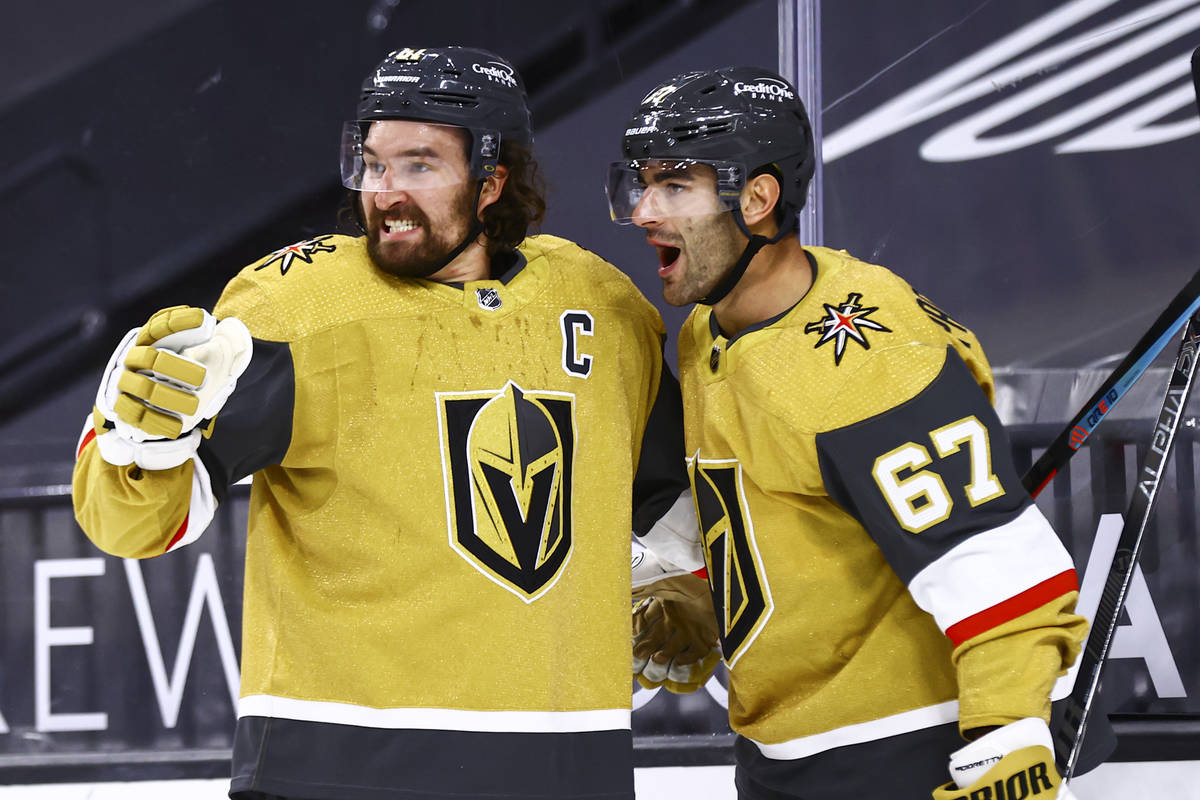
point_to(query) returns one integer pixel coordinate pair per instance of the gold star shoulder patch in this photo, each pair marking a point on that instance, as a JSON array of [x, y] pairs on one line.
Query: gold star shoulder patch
[[304, 251], [844, 323]]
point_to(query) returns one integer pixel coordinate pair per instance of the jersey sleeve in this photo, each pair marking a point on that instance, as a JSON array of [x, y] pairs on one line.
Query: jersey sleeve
[[135, 513], [933, 483], [664, 517], [254, 428]]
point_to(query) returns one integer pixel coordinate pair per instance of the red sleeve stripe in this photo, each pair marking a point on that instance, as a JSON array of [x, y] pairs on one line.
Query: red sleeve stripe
[[1013, 607], [178, 534], [87, 438], [701, 573]]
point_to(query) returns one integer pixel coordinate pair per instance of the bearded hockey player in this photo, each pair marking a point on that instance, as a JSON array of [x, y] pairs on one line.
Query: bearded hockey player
[[452, 429], [887, 595]]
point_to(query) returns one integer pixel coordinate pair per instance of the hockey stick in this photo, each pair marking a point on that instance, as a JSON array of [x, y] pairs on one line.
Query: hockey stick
[[1072, 713], [1173, 317], [1077, 708], [1076, 432]]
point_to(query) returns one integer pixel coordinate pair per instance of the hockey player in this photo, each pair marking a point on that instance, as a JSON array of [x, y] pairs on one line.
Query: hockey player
[[887, 595], [452, 429]]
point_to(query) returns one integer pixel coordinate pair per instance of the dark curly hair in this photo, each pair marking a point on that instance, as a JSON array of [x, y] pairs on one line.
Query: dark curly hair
[[522, 204], [506, 222]]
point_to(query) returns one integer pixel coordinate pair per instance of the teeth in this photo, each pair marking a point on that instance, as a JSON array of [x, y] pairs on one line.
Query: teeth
[[399, 225]]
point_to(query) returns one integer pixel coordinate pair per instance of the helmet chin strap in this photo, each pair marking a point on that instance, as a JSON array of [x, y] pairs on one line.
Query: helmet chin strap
[[756, 243], [472, 235]]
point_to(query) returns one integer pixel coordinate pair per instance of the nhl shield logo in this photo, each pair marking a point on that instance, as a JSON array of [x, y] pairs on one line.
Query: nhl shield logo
[[488, 299], [508, 462]]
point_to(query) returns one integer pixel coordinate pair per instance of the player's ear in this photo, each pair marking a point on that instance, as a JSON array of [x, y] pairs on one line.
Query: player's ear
[[493, 187], [759, 198]]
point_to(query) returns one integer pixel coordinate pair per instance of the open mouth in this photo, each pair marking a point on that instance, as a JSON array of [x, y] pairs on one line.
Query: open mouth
[[666, 256], [399, 225]]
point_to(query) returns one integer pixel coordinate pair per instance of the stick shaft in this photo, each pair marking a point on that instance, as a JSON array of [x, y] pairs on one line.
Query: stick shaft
[[1078, 707], [1076, 432]]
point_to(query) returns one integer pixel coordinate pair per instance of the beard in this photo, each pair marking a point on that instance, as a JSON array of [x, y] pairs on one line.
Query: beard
[[431, 251], [713, 244]]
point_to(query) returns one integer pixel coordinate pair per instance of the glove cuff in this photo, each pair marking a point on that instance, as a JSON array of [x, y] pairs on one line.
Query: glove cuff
[[1025, 773], [153, 454], [969, 763]]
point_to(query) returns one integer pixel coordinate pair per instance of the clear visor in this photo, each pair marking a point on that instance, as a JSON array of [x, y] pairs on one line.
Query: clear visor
[[403, 155], [657, 189]]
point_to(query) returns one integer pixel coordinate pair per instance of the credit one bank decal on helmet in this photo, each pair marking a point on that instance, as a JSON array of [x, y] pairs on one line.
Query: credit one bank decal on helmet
[[468, 88]]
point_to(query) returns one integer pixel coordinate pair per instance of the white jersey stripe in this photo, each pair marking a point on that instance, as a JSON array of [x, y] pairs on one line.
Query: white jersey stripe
[[443, 719], [905, 722], [989, 568]]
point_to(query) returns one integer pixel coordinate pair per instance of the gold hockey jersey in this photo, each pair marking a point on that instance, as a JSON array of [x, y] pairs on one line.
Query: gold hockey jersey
[[876, 565], [437, 581]]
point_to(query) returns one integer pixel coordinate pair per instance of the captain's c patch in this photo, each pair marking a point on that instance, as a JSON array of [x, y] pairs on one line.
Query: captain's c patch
[[508, 458]]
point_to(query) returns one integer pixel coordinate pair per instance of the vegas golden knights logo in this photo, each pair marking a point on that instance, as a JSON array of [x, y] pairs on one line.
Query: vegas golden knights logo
[[508, 458], [740, 593]]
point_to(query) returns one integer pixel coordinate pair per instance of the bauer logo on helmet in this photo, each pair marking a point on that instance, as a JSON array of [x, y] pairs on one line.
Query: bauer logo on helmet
[[652, 128]]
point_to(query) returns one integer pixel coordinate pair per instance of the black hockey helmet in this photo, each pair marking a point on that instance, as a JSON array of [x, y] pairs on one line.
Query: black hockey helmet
[[740, 115], [461, 86], [741, 121]]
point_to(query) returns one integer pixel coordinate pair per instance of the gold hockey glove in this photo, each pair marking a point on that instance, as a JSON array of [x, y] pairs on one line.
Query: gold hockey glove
[[166, 381], [675, 643], [1016, 760], [674, 627]]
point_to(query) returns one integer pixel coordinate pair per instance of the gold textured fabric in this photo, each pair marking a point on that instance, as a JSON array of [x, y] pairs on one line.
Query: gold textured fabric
[[351, 550], [823, 634], [1027, 654], [128, 511], [361, 587]]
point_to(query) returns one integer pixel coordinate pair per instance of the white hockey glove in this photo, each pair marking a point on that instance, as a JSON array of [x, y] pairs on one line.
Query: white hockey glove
[[1016, 760], [165, 383], [674, 628]]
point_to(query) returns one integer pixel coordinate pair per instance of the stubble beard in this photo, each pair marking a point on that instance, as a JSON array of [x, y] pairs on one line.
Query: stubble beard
[[713, 245], [427, 255]]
